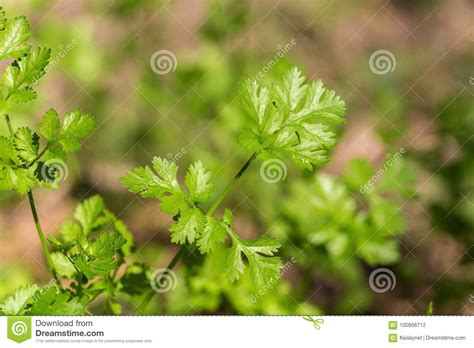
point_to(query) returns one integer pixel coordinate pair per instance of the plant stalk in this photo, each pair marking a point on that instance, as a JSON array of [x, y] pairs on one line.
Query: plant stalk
[[41, 236], [231, 184]]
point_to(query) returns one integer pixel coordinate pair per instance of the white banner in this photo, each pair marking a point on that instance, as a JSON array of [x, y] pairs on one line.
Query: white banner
[[238, 331]]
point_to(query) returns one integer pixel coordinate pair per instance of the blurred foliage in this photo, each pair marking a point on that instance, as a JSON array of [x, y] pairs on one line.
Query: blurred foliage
[[102, 52]]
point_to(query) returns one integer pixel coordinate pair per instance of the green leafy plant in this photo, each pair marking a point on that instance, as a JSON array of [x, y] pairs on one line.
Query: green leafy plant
[[26, 159], [344, 218], [292, 120], [89, 251]]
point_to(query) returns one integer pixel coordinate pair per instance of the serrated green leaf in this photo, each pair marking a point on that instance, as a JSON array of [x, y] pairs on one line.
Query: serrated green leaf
[[28, 69], [265, 245], [27, 144], [214, 233], [255, 101], [264, 270], [15, 304], [51, 301], [264, 267], [7, 151], [234, 263], [62, 265], [167, 174], [143, 181], [291, 119], [189, 226], [228, 218], [14, 37], [76, 126], [32, 66], [88, 212], [95, 244], [23, 95], [49, 126], [163, 185], [19, 96], [70, 231], [20, 179], [198, 184]]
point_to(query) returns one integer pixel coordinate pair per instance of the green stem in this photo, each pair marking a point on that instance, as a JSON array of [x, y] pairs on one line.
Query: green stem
[[176, 258], [41, 236], [151, 293], [39, 156], [231, 184], [44, 244], [9, 125]]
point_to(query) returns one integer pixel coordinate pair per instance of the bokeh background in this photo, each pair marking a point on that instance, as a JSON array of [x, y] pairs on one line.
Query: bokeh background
[[420, 104]]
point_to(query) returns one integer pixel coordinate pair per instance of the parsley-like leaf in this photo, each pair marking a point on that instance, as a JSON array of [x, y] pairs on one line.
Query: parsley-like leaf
[[264, 266], [14, 37], [214, 233], [189, 226], [15, 304], [94, 242], [163, 185], [197, 182], [49, 126], [51, 301], [27, 144], [76, 126], [291, 119]]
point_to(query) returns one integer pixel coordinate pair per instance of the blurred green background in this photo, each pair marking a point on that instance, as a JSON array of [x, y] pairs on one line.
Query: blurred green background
[[102, 64]]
